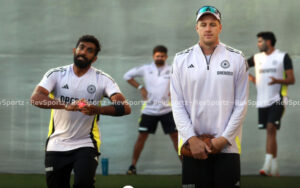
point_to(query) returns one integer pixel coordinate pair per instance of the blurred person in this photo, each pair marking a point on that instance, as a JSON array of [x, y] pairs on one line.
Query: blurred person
[[73, 93], [156, 93], [273, 71]]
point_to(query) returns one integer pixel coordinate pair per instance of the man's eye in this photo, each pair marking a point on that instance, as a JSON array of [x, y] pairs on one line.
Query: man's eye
[[90, 50]]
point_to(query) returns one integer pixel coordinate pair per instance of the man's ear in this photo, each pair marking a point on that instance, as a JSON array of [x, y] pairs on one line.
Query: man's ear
[[268, 42], [196, 26], [94, 60], [74, 51]]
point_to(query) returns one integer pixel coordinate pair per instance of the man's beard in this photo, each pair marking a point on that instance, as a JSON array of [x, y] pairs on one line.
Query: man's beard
[[159, 62], [264, 48], [82, 64]]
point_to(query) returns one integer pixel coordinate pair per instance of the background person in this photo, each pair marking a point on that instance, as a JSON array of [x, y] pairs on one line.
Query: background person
[[156, 93], [273, 71]]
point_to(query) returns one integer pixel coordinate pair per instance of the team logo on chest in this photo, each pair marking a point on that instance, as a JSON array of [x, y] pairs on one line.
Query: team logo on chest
[[91, 89], [225, 64]]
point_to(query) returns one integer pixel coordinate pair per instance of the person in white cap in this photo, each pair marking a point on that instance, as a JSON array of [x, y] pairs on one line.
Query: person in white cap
[[209, 93]]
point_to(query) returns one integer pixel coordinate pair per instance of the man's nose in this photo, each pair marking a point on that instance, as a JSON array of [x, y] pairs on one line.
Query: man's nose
[[208, 28]]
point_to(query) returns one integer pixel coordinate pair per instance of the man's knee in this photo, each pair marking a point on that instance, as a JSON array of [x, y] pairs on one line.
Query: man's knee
[[271, 129], [142, 137], [174, 137]]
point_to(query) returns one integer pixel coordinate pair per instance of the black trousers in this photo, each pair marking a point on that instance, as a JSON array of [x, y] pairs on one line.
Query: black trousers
[[59, 166], [217, 171]]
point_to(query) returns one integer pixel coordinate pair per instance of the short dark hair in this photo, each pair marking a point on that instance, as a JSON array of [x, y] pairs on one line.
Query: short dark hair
[[267, 35], [91, 39], [160, 48]]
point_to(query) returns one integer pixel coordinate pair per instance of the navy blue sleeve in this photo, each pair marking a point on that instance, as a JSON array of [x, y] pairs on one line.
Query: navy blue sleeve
[[287, 62], [251, 61]]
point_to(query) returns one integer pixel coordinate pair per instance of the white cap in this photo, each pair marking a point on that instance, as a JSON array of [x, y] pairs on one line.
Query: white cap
[[208, 10]]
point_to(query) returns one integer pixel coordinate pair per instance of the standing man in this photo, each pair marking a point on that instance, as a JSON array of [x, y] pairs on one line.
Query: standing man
[[156, 94], [274, 71], [209, 92], [73, 92]]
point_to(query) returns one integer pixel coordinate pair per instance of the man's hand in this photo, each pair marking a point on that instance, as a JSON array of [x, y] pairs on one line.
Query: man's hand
[[90, 110], [252, 78], [199, 149], [71, 107], [218, 144], [273, 80], [144, 93], [83, 106], [135, 84]]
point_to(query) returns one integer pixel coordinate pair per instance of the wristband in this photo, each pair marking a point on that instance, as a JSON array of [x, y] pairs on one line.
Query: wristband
[[119, 109]]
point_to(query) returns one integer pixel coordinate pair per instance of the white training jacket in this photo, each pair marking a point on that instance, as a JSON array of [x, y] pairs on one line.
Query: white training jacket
[[157, 84], [210, 97]]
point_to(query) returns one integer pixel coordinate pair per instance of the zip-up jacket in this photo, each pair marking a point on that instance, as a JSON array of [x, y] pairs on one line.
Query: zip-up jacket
[[210, 97]]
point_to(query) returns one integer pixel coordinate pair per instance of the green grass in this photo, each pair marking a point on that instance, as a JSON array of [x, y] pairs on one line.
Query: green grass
[[144, 181]]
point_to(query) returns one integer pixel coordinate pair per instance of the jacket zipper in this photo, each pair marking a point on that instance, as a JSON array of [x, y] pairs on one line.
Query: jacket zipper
[[207, 62]]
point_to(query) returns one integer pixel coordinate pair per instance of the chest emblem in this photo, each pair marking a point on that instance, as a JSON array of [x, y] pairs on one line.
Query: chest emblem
[[225, 64], [91, 89]]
